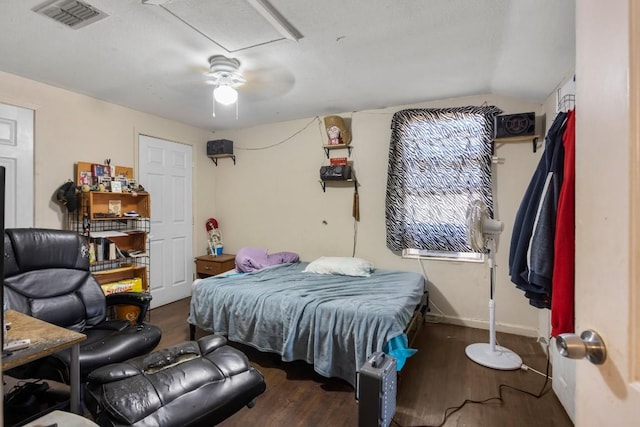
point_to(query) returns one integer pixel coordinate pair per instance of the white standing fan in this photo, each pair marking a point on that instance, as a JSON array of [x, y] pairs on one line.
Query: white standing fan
[[482, 231]]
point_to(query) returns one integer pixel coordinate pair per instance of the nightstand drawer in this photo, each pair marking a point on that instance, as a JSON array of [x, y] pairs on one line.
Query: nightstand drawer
[[209, 265]]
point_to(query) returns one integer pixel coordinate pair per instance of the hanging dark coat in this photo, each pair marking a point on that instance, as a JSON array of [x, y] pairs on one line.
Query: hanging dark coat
[[535, 222]]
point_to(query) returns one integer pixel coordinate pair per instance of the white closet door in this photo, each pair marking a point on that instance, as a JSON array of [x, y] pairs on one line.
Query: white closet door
[[166, 172]]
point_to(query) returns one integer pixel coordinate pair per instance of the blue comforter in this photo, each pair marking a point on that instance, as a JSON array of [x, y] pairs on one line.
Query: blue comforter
[[333, 322]]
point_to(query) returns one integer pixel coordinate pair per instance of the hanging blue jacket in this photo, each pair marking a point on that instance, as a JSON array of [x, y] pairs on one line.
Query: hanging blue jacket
[[532, 241], [541, 254]]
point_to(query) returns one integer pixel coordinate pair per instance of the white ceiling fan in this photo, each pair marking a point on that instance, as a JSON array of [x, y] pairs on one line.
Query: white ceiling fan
[[224, 74], [482, 231], [255, 84]]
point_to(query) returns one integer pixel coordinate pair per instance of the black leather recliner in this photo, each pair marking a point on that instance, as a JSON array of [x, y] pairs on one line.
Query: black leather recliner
[[193, 384], [46, 275]]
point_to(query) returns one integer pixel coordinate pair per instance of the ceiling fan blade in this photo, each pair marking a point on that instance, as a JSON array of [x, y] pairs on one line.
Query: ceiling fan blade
[[264, 83]]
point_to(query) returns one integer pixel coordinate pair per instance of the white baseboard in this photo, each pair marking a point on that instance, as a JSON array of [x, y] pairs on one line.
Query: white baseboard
[[484, 324]]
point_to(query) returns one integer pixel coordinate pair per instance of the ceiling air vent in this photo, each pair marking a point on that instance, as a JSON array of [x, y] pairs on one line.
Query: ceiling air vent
[[72, 13]]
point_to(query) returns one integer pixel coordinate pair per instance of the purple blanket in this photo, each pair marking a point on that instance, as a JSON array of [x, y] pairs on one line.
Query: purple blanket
[[251, 259]]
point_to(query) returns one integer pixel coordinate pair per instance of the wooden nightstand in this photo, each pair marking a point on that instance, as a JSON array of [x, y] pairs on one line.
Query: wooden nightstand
[[209, 265]]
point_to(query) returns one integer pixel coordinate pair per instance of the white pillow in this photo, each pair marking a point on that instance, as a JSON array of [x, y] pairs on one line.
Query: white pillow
[[340, 265]]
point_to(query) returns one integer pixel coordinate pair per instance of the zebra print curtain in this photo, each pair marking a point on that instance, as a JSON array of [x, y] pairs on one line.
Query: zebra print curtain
[[439, 161]]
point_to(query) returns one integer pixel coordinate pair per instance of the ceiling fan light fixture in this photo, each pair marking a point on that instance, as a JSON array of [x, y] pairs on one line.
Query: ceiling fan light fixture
[[224, 75], [225, 94], [220, 65]]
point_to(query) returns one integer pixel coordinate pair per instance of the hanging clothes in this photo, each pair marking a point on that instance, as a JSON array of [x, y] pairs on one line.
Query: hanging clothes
[[563, 285], [540, 255], [531, 250]]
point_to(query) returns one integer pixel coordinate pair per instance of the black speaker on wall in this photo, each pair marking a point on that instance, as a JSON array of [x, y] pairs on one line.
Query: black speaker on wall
[[219, 146], [521, 124]]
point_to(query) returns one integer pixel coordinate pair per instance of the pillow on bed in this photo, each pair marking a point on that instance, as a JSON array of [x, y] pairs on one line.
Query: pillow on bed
[[345, 266], [282, 258], [252, 259]]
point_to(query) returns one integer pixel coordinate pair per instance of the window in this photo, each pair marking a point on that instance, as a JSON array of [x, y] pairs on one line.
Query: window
[[439, 161]]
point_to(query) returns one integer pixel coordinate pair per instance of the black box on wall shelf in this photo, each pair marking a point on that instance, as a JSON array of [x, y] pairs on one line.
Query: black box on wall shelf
[[335, 173], [219, 146], [510, 125]]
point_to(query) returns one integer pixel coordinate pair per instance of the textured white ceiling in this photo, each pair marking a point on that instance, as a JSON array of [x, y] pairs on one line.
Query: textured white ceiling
[[354, 55]]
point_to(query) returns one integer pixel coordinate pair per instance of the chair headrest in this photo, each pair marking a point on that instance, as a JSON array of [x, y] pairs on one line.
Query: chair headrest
[[38, 248]]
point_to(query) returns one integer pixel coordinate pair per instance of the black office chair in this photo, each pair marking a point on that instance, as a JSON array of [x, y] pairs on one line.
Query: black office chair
[[46, 275]]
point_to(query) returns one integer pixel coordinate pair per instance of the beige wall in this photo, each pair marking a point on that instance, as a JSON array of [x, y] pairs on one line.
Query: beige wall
[[272, 198], [70, 127]]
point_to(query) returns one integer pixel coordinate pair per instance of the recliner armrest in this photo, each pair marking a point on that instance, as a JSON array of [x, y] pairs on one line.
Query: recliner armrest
[[139, 299]]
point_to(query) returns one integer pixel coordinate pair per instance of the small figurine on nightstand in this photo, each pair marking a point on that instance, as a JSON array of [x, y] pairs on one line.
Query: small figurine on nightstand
[[215, 239]]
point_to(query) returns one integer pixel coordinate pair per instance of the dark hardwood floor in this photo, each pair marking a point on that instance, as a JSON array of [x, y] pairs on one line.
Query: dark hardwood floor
[[439, 376]]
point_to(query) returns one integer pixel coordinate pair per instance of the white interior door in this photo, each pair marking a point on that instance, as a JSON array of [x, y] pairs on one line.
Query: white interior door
[[607, 209], [166, 171], [16, 155]]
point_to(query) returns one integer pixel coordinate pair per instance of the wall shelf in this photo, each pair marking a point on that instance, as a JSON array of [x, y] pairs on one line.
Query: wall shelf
[[215, 157], [323, 183], [329, 147], [524, 138]]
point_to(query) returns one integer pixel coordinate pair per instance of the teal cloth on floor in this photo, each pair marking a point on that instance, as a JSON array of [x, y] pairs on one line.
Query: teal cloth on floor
[[398, 348]]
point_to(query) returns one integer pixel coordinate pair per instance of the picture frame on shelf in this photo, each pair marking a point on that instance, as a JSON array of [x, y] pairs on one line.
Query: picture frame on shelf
[[85, 178], [115, 207], [116, 187], [106, 181], [99, 170]]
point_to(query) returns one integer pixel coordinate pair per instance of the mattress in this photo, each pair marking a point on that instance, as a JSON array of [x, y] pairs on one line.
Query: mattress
[[331, 321]]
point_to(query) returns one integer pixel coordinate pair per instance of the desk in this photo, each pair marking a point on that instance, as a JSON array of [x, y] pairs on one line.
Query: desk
[[45, 339]]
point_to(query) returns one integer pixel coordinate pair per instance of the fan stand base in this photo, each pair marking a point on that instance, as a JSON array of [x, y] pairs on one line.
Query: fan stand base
[[500, 358]]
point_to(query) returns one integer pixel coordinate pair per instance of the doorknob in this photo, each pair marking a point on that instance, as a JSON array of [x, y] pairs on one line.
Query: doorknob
[[589, 344]]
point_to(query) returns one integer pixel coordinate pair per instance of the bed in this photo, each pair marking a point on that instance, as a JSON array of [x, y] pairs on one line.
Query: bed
[[333, 322]]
